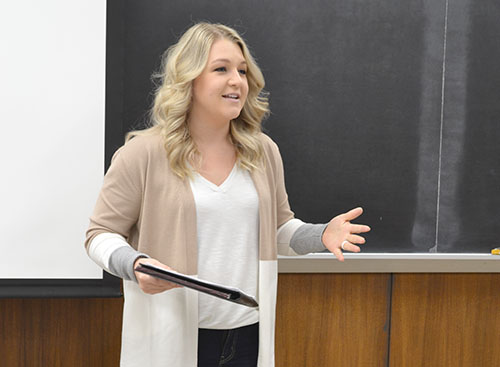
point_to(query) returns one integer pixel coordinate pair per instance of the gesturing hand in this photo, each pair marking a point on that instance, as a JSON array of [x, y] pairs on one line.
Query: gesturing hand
[[340, 234], [149, 284]]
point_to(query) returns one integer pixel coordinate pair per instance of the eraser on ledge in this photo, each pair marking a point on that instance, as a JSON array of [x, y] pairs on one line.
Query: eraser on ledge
[[495, 251]]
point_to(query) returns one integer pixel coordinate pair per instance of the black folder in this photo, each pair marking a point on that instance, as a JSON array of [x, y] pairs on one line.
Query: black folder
[[218, 290]]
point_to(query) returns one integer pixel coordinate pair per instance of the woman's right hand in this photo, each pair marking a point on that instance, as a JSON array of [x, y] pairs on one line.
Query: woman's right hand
[[150, 284]]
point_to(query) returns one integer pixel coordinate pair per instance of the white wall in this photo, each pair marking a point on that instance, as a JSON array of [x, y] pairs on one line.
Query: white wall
[[52, 83]]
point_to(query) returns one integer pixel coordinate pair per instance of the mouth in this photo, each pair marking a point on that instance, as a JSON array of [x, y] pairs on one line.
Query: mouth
[[233, 96]]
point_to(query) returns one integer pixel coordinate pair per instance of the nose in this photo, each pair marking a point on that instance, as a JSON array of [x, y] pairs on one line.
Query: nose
[[235, 78]]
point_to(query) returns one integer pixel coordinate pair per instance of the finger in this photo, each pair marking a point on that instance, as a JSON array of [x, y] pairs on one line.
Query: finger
[[163, 284], [164, 287], [359, 228], [353, 214], [150, 284], [353, 238], [338, 254], [146, 281], [347, 246], [154, 289]]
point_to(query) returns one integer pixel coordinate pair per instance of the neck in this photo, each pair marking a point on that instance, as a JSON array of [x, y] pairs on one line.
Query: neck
[[204, 133]]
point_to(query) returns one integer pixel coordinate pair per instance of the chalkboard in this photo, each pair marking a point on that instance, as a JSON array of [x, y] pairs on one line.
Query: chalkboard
[[385, 104]]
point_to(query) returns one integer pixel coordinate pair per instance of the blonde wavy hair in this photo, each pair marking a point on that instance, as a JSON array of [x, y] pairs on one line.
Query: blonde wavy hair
[[181, 64]]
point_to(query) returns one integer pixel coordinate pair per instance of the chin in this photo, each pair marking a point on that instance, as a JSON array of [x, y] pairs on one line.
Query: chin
[[233, 116]]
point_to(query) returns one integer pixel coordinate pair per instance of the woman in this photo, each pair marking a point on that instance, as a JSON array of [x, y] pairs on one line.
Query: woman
[[202, 192]]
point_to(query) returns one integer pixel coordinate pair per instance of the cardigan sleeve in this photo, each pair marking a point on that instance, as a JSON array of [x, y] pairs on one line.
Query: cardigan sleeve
[[284, 213], [298, 238], [118, 204]]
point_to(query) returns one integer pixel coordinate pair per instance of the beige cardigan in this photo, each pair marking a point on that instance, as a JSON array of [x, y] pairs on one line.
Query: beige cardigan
[[144, 201]]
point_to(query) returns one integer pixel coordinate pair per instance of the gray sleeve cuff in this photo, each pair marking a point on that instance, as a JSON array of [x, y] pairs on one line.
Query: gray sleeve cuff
[[121, 262], [307, 238]]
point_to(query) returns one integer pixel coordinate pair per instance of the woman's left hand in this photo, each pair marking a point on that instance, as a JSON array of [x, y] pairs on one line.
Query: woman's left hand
[[341, 234]]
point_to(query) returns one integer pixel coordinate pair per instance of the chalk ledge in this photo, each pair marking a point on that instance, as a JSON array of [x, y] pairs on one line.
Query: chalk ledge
[[391, 263]]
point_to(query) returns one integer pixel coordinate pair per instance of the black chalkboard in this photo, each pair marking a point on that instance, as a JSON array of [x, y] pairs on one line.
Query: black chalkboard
[[387, 104]]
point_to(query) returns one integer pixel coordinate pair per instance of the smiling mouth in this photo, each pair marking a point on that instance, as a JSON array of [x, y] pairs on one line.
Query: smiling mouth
[[231, 96]]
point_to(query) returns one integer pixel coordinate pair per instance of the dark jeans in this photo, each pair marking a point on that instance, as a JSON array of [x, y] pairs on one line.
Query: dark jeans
[[228, 348]]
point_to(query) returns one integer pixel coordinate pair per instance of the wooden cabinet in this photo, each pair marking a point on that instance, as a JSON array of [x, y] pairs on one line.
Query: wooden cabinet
[[323, 320]]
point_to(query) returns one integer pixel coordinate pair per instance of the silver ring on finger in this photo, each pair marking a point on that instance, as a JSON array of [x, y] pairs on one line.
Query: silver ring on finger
[[343, 243]]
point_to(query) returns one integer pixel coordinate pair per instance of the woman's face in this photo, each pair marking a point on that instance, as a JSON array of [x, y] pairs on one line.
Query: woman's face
[[220, 91]]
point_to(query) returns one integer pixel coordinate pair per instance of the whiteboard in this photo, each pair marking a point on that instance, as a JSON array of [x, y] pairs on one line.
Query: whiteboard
[[52, 152]]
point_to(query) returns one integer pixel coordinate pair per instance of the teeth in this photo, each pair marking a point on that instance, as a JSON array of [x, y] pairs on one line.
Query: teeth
[[234, 96]]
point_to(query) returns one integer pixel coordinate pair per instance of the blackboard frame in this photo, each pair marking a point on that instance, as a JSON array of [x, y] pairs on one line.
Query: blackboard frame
[[108, 286]]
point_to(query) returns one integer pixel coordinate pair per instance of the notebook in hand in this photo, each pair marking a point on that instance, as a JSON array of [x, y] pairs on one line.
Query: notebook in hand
[[218, 290]]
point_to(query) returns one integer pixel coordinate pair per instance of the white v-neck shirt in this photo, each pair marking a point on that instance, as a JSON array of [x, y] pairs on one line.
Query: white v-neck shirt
[[228, 246]]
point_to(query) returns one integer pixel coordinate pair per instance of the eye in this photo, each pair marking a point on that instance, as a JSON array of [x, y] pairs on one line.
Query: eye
[[243, 72], [221, 69]]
